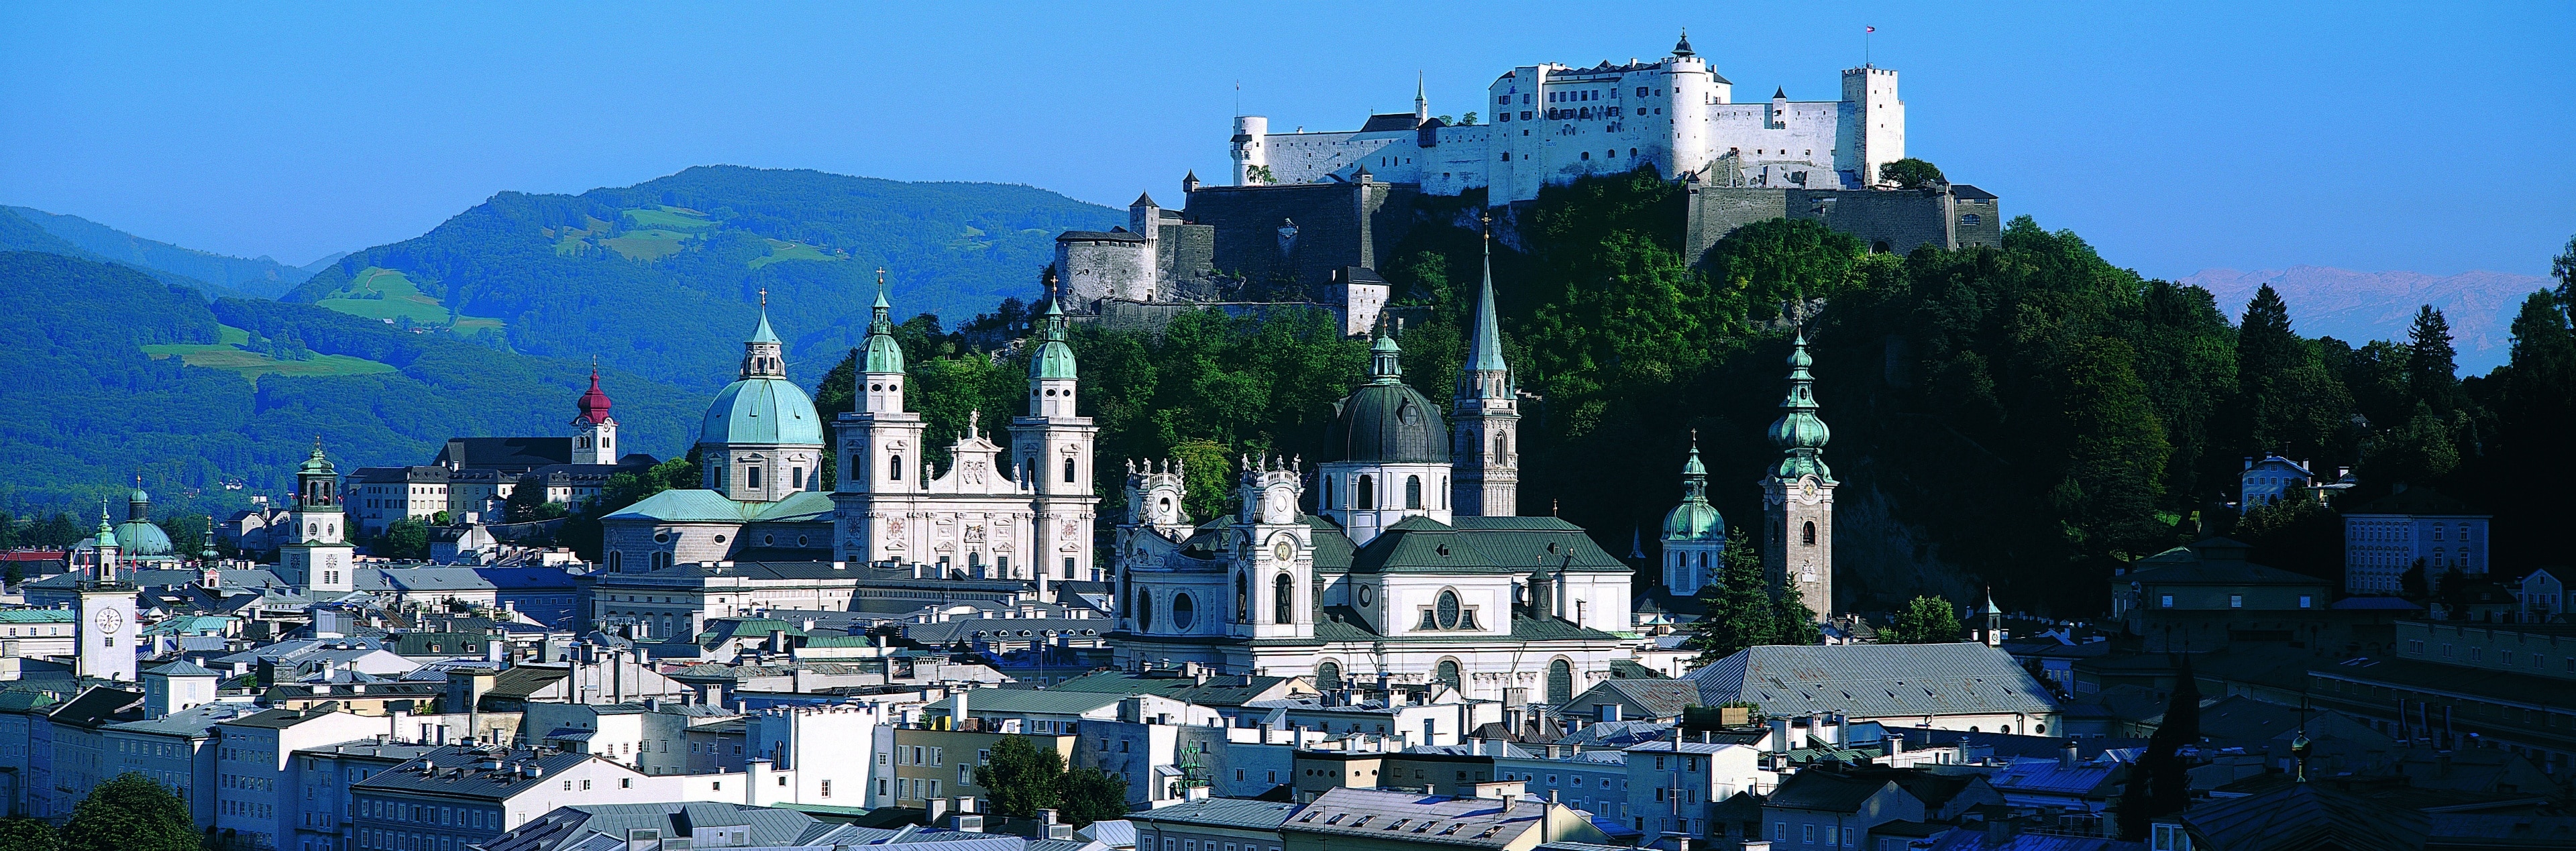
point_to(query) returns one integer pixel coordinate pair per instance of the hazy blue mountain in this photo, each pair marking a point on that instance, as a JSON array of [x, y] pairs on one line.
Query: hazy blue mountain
[[259, 276], [2361, 306], [664, 278], [113, 373]]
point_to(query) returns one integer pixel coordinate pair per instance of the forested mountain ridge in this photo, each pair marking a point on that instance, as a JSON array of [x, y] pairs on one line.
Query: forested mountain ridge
[[114, 374], [664, 277], [258, 277], [2356, 306]]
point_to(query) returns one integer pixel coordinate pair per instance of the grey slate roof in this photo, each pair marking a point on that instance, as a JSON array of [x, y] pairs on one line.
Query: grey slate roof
[[1661, 698], [460, 773], [1029, 700], [1873, 680], [1221, 812]]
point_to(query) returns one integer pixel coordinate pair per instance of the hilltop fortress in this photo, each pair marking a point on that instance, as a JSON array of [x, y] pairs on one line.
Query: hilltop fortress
[[1312, 216]]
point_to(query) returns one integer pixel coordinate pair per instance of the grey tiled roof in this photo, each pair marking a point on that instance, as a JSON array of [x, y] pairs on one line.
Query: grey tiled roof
[[1873, 680], [1414, 817], [460, 773], [1221, 812], [1661, 698]]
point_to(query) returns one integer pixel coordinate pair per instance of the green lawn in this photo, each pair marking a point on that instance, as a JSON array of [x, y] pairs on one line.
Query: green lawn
[[647, 245], [401, 299], [781, 250], [672, 218], [225, 355]]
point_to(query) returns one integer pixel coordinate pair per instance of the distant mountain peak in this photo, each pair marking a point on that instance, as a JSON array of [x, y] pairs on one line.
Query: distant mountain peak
[[2357, 307]]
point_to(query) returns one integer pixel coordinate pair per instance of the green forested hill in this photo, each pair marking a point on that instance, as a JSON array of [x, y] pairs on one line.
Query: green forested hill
[[663, 278], [112, 373], [260, 277]]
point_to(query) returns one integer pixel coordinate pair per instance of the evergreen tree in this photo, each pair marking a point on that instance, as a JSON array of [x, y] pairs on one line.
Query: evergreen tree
[[1926, 620], [2432, 368], [2265, 345], [1792, 623], [1021, 777], [131, 813], [2160, 782], [1739, 606]]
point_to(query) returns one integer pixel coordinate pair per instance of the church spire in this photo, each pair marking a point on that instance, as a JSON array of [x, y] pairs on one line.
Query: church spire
[[761, 353], [1485, 340], [1486, 411], [1799, 433], [1421, 103]]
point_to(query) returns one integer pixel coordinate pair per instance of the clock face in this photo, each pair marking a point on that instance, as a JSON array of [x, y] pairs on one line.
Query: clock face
[[1368, 596], [1286, 550], [110, 621]]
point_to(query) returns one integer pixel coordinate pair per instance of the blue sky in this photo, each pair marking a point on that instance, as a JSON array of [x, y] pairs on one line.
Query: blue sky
[[2174, 136]]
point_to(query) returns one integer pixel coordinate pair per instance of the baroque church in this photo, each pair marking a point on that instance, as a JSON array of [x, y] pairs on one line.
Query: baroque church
[[1411, 566]]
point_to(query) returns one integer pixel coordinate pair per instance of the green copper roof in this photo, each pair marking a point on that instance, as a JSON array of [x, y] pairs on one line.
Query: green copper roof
[[106, 533], [706, 506], [1053, 359], [762, 410], [1799, 433], [762, 334], [1485, 344], [1386, 360], [1694, 519], [883, 353], [315, 463]]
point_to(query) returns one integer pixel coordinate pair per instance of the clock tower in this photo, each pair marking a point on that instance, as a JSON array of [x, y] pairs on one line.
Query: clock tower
[[106, 609], [317, 556], [1798, 495]]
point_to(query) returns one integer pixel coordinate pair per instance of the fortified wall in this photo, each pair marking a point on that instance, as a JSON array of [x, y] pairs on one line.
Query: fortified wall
[[1888, 220]]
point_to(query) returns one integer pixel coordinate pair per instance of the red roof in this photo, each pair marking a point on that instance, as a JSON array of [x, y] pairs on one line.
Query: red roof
[[32, 555], [593, 406]]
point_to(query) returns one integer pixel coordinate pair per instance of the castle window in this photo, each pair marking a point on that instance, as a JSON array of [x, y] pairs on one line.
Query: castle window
[[1283, 599], [1068, 469], [1364, 493], [894, 467], [1446, 673], [1184, 611], [1807, 535], [1413, 491]]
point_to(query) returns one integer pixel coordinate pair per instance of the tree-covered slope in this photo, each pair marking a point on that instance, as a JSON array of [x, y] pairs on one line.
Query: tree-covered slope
[[663, 278], [105, 382], [260, 276]]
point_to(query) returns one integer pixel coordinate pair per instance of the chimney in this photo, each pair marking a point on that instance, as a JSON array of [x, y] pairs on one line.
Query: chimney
[[1842, 730], [1895, 742], [957, 717], [2068, 756], [1779, 735]]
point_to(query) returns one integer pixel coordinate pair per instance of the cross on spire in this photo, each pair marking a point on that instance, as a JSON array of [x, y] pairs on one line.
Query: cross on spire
[[764, 298]]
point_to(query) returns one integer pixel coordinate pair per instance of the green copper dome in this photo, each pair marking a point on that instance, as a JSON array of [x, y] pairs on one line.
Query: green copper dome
[[1694, 519], [762, 410], [106, 534], [883, 353], [1053, 359], [1387, 422], [315, 463]]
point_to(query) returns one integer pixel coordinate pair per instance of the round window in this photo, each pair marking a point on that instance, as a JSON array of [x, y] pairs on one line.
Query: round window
[[1368, 595], [720, 539], [1448, 610], [661, 537], [1184, 611], [1285, 550]]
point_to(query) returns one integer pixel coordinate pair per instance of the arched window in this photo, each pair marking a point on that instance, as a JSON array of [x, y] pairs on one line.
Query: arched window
[[1283, 599], [894, 467], [1185, 611], [1807, 534], [1032, 476], [661, 560], [1560, 682], [1068, 469], [1145, 611], [1502, 447], [616, 563], [1447, 673], [1364, 494], [1242, 599], [1413, 491], [1329, 675]]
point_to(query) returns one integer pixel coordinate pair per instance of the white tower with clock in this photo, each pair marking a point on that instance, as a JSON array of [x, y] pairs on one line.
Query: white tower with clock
[[107, 629]]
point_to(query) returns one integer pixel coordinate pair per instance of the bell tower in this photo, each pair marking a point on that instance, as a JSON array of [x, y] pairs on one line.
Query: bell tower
[[1486, 441], [317, 556], [1053, 445], [594, 432], [106, 610], [1798, 494], [877, 501], [1275, 552]]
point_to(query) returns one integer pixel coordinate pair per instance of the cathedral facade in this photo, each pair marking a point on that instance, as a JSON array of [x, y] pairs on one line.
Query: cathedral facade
[[1410, 566]]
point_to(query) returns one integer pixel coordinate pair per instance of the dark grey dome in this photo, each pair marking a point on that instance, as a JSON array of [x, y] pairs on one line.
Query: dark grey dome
[[1389, 423]]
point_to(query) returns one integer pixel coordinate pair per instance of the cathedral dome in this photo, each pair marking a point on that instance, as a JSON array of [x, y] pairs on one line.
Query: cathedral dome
[[1386, 422], [762, 410], [137, 538], [883, 353], [1694, 520]]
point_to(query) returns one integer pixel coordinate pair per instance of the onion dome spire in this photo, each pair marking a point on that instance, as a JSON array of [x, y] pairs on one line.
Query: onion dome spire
[[1054, 358], [106, 530], [1799, 433], [883, 354], [1694, 519], [592, 408]]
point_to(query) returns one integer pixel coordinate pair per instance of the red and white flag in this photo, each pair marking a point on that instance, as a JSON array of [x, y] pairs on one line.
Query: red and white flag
[[1868, 29]]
